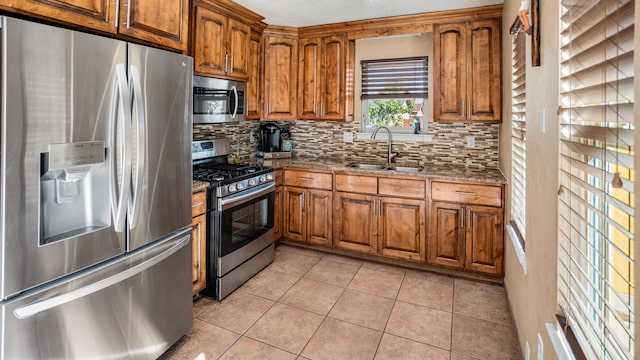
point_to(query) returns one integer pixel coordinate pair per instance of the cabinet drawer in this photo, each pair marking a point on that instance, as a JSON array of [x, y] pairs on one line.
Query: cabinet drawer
[[277, 176], [467, 193], [402, 188], [308, 179], [357, 184], [199, 203]]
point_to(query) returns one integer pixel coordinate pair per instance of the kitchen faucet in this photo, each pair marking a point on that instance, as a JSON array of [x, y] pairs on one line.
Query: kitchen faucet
[[391, 155]]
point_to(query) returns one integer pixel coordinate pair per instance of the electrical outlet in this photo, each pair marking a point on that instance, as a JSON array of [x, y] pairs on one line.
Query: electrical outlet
[[540, 348], [347, 137], [471, 142], [251, 137]]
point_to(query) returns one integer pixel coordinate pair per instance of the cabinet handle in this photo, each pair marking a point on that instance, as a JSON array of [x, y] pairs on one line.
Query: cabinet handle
[[462, 219], [302, 201], [468, 219], [462, 112], [466, 193], [320, 109], [128, 14], [231, 68], [315, 109], [469, 110], [305, 179], [226, 62], [117, 13], [375, 208]]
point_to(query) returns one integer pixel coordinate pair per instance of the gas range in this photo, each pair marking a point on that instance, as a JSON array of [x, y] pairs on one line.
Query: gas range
[[240, 215], [210, 165]]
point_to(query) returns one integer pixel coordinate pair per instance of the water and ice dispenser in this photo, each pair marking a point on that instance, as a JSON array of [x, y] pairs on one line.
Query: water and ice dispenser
[[74, 190]]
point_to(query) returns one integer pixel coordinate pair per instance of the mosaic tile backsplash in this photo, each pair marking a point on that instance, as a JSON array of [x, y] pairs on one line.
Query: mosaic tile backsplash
[[324, 139]]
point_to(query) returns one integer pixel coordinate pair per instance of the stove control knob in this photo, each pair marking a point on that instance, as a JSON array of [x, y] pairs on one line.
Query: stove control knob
[[240, 186], [232, 188], [252, 182], [263, 179], [269, 177]]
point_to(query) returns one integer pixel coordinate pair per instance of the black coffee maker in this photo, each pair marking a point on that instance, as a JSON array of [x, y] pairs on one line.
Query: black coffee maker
[[269, 138]]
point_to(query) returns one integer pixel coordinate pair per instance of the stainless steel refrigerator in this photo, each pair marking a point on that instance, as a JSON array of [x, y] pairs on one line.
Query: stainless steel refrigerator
[[95, 197]]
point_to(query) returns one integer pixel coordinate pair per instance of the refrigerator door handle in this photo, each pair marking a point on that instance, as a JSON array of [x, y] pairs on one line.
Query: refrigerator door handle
[[119, 191], [237, 101], [136, 198], [29, 310]]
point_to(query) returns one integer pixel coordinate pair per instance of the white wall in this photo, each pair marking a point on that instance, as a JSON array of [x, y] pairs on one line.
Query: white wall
[[533, 296]]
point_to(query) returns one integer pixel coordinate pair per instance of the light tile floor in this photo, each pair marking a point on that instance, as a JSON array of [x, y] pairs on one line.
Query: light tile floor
[[311, 305]]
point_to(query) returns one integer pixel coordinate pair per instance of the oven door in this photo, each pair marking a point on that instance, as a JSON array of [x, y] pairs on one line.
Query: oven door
[[243, 219]]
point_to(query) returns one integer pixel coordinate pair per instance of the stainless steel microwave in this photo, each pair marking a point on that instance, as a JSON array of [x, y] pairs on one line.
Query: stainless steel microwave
[[218, 100]]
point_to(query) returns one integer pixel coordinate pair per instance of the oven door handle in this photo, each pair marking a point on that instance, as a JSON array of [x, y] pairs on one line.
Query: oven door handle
[[232, 201]]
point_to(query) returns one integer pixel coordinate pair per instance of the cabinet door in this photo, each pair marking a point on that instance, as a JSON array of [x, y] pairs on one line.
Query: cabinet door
[[95, 14], [450, 72], [355, 222], [309, 78], [209, 53], [319, 216], [163, 22], [446, 234], [253, 84], [483, 86], [280, 78], [199, 252], [295, 216], [402, 228], [239, 37], [332, 78], [484, 239], [277, 213]]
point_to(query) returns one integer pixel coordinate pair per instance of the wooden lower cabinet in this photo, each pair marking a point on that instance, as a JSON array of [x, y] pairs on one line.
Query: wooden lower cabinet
[[392, 227], [356, 224], [308, 215], [277, 213], [484, 241], [466, 237], [402, 228], [199, 243]]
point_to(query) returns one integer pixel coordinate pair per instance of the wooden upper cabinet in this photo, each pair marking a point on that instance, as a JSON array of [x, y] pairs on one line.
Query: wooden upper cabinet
[[254, 81], [280, 77], [467, 71], [95, 14], [164, 23], [221, 45], [321, 78], [239, 36]]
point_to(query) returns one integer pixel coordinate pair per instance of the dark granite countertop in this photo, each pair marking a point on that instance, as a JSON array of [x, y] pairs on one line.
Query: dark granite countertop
[[455, 173], [198, 186]]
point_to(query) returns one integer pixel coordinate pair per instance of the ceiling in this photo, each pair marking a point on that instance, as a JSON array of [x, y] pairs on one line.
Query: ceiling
[[300, 13]]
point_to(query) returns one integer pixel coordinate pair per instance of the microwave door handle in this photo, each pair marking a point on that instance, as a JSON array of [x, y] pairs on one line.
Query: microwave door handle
[[136, 196], [237, 102], [119, 194]]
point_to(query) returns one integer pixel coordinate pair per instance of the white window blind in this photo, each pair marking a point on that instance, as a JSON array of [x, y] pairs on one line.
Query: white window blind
[[395, 78], [518, 133], [596, 210]]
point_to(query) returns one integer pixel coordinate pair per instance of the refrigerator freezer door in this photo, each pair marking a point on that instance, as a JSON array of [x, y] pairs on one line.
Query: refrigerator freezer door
[[59, 102], [160, 84], [119, 310]]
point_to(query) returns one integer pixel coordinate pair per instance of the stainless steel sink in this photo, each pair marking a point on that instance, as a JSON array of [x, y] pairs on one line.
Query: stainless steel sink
[[405, 168], [368, 166], [385, 167]]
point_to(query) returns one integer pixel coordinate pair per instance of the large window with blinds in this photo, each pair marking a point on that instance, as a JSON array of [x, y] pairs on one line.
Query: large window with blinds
[[394, 93], [518, 133], [596, 200]]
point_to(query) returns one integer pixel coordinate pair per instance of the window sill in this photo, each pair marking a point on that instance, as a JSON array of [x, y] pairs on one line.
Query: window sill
[[395, 137], [517, 246]]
